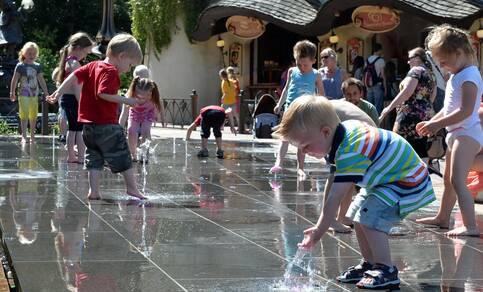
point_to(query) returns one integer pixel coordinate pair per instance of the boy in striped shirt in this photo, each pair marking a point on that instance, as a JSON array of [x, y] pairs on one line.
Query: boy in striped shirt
[[394, 181]]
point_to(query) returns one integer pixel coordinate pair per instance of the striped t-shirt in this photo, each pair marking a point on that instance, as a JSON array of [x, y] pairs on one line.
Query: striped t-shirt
[[382, 162]]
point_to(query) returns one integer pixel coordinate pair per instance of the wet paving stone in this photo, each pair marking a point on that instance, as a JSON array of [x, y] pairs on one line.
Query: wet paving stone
[[208, 225]]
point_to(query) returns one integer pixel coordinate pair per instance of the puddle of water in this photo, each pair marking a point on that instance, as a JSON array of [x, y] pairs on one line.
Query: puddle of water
[[27, 175]]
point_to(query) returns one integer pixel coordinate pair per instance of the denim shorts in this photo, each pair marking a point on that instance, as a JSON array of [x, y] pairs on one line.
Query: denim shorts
[[106, 143], [373, 213]]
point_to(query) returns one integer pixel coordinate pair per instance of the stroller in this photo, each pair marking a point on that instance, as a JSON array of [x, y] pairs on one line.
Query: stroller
[[264, 117]]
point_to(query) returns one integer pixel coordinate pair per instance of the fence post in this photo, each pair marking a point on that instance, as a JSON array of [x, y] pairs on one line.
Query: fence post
[[194, 104]]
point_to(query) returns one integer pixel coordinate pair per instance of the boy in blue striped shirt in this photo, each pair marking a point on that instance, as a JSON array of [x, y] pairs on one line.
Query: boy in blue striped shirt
[[394, 181]]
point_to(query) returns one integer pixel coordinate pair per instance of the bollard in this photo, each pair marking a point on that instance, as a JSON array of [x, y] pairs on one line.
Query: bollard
[[194, 104]]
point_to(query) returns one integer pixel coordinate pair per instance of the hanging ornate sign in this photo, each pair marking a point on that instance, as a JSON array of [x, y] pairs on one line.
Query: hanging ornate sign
[[245, 27], [375, 18]]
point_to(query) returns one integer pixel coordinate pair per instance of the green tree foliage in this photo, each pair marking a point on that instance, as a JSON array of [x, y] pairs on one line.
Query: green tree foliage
[[155, 20], [192, 10], [52, 22], [68, 17]]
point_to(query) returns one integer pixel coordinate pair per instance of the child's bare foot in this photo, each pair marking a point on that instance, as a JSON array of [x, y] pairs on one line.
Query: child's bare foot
[[339, 227], [463, 231], [92, 196], [434, 221], [301, 174], [32, 140], [136, 195], [23, 140]]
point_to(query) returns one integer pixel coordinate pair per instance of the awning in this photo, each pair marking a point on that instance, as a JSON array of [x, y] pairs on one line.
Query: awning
[[312, 17]]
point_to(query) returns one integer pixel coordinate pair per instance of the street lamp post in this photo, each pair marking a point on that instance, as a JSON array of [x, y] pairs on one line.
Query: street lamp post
[[108, 30]]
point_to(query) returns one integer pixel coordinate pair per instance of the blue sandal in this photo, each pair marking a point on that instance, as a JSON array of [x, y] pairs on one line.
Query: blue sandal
[[380, 277], [354, 273]]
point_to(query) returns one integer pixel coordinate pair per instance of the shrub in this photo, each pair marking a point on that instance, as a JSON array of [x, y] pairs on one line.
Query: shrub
[[5, 129]]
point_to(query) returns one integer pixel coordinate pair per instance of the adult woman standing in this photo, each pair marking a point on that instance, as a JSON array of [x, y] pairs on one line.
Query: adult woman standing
[[414, 102], [332, 76]]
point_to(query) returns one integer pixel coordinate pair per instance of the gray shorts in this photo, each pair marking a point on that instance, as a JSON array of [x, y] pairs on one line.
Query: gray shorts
[[370, 211], [106, 143]]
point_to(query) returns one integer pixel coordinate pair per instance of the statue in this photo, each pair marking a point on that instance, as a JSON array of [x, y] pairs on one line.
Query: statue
[[11, 37], [10, 29]]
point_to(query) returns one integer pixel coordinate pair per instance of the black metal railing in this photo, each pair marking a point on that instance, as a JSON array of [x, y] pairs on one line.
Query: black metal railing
[[178, 111], [181, 111]]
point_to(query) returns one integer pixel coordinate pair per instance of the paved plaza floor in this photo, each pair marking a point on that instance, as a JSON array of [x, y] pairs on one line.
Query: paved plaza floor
[[209, 225]]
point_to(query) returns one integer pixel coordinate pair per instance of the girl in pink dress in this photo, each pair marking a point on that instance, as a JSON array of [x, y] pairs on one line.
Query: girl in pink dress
[[143, 115]]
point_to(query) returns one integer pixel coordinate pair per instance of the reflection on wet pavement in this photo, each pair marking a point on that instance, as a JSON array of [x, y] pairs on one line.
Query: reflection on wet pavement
[[209, 225]]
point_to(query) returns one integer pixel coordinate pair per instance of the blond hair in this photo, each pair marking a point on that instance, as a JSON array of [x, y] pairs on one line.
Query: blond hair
[[304, 49], [125, 43], [446, 40], [306, 114], [25, 48], [329, 52], [141, 71], [231, 73], [145, 84]]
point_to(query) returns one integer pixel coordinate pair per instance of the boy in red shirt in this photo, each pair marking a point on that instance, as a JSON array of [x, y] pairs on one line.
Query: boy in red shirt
[[211, 116], [104, 137]]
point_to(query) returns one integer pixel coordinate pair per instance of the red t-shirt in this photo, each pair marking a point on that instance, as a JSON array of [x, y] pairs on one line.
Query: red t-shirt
[[206, 108], [98, 77]]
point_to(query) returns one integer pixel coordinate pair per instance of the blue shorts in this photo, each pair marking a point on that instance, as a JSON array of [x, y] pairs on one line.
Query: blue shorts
[[373, 213]]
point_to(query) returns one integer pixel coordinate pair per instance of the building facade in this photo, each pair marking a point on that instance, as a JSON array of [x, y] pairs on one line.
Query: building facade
[[256, 37]]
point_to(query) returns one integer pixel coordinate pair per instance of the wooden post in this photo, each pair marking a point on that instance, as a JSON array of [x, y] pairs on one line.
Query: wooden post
[[194, 104]]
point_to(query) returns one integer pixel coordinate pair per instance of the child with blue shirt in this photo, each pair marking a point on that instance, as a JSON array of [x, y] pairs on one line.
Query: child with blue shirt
[[394, 182], [302, 79]]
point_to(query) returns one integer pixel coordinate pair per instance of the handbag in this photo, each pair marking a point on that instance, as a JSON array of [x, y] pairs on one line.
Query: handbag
[[437, 145]]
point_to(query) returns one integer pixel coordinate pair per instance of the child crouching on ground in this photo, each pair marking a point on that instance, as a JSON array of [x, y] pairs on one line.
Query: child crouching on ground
[[98, 108], [211, 117], [394, 181]]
